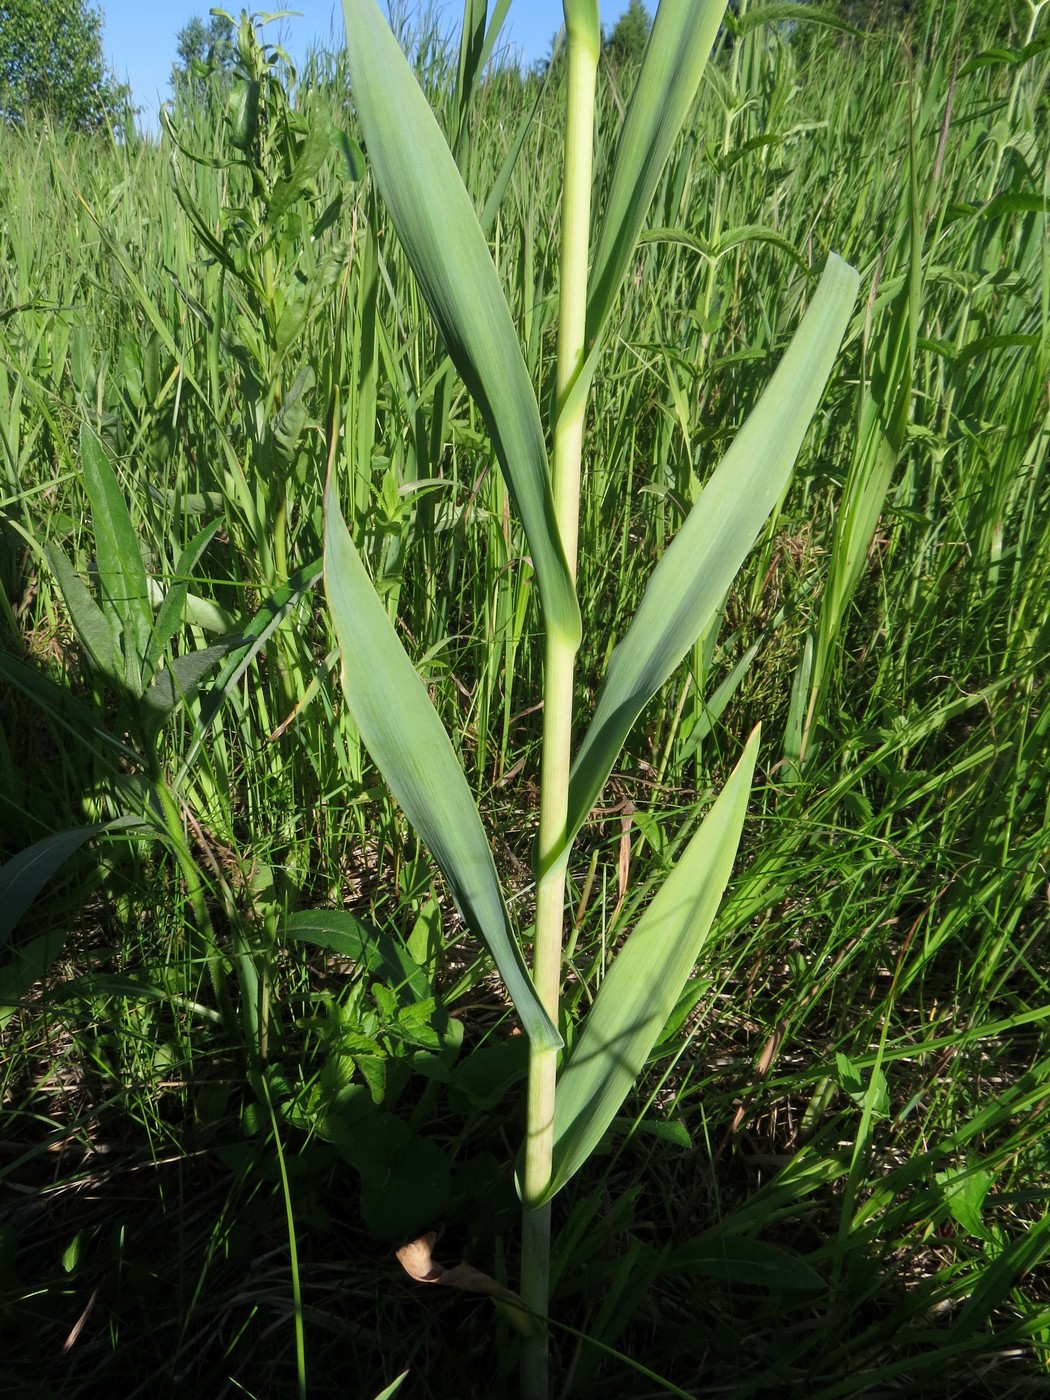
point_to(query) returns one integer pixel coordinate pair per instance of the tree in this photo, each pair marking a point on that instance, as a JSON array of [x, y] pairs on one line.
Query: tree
[[630, 34], [51, 63], [202, 48]]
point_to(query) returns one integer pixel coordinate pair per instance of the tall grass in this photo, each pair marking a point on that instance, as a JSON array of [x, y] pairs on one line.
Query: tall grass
[[833, 1175]]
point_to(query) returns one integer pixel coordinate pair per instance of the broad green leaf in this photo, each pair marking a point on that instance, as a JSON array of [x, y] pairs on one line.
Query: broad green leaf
[[645, 979], [180, 681], [689, 583], [124, 589], [402, 732], [24, 875], [63, 709], [681, 39], [377, 952], [737, 1259], [91, 624], [439, 231], [966, 1190], [311, 157]]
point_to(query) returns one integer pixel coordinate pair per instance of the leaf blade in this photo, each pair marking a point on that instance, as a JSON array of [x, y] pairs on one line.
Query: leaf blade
[[91, 624], [408, 742], [122, 576], [690, 581], [645, 979], [681, 39], [25, 874], [439, 231]]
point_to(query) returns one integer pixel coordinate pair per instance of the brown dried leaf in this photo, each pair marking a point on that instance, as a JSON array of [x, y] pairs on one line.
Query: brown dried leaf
[[417, 1260]]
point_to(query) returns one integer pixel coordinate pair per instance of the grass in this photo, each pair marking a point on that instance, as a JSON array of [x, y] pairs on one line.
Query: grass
[[832, 1178]]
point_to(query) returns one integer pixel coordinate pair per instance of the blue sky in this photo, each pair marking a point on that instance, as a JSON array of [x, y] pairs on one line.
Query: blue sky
[[139, 37]]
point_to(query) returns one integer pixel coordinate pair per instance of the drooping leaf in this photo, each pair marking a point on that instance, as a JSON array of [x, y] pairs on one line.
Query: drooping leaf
[[645, 979], [408, 742], [180, 681], [691, 580], [438, 228]]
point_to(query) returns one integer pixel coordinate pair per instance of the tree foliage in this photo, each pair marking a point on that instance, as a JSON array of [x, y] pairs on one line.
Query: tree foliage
[[630, 34], [51, 63], [203, 48]]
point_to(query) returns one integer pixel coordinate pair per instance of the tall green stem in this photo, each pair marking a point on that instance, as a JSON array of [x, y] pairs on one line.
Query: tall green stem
[[583, 37]]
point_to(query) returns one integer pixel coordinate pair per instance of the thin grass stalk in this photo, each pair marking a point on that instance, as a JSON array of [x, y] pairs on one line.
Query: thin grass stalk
[[582, 53]]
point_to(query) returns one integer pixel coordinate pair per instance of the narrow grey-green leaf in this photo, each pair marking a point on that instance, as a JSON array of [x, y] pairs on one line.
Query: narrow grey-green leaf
[[408, 742], [646, 978], [439, 231], [681, 39], [692, 578]]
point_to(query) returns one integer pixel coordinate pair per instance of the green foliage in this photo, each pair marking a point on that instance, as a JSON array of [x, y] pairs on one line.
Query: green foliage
[[625, 45], [830, 1177], [51, 65], [203, 49]]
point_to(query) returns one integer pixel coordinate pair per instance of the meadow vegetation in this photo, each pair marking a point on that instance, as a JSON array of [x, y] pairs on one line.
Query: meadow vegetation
[[249, 1044]]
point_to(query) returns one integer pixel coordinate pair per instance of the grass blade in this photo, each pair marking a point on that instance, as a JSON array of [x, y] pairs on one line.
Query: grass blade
[[122, 575], [172, 609], [681, 40], [881, 436], [408, 742], [692, 578], [446, 249], [645, 979]]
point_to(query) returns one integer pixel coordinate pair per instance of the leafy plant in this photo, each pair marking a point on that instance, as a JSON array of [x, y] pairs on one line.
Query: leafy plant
[[568, 1110], [52, 64]]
